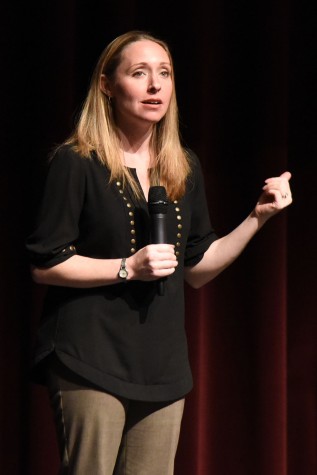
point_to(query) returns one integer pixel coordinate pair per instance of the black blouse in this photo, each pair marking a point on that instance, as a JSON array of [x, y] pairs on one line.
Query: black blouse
[[124, 337]]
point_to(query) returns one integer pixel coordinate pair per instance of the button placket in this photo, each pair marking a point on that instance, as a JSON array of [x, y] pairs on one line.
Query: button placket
[[129, 206], [179, 228]]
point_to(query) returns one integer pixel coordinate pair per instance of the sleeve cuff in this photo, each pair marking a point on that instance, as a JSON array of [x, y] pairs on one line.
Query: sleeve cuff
[[52, 259], [196, 252]]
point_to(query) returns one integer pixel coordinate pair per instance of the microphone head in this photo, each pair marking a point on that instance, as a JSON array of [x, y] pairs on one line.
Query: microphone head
[[157, 201]]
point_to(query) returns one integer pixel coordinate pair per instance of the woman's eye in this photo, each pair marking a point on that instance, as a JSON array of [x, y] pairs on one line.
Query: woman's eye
[[165, 73], [138, 74]]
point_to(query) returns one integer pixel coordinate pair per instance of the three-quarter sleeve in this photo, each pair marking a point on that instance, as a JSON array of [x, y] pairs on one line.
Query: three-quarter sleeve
[[56, 230], [201, 233]]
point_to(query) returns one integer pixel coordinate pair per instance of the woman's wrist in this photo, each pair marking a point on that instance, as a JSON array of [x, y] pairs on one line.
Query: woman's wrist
[[259, 219], [129, 263]]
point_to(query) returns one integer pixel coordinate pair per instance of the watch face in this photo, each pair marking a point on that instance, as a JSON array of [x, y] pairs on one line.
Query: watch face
[[123, 273]]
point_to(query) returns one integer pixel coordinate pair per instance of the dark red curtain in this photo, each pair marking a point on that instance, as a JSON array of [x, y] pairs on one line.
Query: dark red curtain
[[246, 84]]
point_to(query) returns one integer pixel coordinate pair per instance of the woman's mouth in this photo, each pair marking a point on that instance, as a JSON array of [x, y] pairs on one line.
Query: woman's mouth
[[154, 102]]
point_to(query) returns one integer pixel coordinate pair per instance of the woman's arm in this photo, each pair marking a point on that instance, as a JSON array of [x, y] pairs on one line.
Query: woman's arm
[[150, 263], [221, 253]]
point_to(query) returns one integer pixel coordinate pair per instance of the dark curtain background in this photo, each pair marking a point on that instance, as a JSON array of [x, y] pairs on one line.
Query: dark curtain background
[[246, 84]]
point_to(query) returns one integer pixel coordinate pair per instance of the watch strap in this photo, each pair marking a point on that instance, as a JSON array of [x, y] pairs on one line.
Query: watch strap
[[123, 272]]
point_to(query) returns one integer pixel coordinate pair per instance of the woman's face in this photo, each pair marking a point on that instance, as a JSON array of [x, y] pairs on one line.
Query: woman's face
[[142, 85]]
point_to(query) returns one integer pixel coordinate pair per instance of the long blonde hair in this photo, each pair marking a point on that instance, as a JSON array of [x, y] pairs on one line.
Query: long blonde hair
[[96, 129]]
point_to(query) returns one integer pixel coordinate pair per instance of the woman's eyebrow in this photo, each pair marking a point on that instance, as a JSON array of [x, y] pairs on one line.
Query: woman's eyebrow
[[144, 63]]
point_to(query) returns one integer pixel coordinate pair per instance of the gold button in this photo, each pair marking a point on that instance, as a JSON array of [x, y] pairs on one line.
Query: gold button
[[132, 250], [177, 253], [125, 199], [179, 226], [72, 248], [132, 223], [118, 183], [133, 241], [177, 209], [63, 250], [175, 202], [128, 205], [132, 231], [178, 244], [179, 235], [179, 217], [121, 191], [131, 213]]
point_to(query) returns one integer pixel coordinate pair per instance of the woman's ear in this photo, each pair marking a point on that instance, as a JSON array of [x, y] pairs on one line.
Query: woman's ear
[[104, 85]]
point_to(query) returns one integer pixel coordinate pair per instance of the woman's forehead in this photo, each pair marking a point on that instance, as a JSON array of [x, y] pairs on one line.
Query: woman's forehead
[[144, 51]]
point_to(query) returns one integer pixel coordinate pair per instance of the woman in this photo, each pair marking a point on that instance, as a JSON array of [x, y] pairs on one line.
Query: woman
[[111, 349]]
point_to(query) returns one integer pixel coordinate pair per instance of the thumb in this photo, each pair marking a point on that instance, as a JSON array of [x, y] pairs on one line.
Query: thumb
[[286, 175]]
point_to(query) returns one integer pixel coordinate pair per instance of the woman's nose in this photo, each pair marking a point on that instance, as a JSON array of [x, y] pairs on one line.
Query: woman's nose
[[154, 85]]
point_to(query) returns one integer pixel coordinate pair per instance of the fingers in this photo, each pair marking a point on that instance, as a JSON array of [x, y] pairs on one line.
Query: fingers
[[279, 187], [153, 261], [160, 252], [286, 175], [276, 196], [161, 259]]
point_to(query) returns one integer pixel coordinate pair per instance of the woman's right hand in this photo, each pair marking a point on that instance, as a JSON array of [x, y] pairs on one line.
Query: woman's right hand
[[152, 262]]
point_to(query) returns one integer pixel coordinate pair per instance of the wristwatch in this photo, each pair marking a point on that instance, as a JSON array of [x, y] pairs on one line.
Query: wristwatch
[[123, 273]]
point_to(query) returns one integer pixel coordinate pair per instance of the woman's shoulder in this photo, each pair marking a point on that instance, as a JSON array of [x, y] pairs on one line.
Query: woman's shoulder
[[66, 164], [65, 153], [67, 156], [193, 160], [191, 155], [195, 165]]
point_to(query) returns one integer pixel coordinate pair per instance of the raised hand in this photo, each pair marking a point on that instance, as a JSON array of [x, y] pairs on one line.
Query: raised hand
[[275, 197]]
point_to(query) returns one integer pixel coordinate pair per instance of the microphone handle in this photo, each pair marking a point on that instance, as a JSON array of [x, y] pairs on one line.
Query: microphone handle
[[159, 236], [161, 286], [158, 230]]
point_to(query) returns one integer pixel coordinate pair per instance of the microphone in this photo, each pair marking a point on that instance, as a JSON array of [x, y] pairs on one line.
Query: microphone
[[157, 204]]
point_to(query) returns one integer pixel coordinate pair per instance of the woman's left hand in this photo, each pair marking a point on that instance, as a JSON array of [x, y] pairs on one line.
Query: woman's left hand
[[276, 196], [222, 252]]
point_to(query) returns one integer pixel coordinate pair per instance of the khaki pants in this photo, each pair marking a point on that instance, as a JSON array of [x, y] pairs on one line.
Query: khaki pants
[[100, 434]]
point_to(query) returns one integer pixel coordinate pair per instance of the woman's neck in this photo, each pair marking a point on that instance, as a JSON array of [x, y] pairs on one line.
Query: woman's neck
[[136, 148]]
